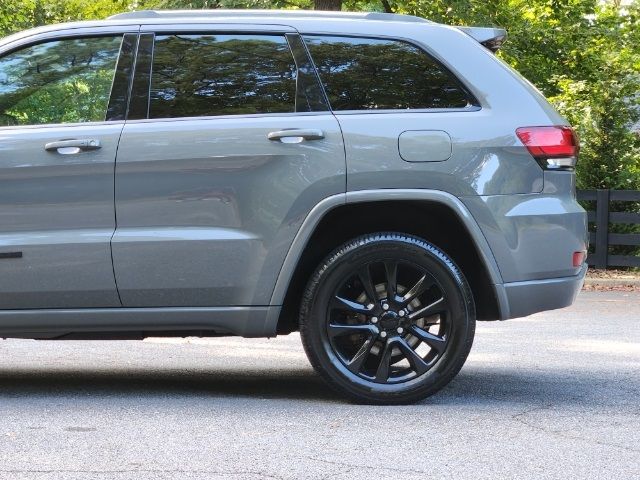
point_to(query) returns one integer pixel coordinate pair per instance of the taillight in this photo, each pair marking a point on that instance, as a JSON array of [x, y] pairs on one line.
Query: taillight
[[555, 148]]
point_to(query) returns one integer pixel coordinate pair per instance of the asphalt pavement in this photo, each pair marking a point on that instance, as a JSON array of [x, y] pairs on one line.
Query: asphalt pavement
[[552, 396]]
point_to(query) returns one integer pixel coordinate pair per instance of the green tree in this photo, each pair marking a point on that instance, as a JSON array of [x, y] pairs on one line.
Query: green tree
[[16, 15]]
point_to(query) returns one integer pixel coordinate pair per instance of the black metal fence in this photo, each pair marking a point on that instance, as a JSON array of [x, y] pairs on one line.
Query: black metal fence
[[600, 219]]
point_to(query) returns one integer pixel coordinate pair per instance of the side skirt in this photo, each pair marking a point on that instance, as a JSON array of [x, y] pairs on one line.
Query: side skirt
[[114, 323]]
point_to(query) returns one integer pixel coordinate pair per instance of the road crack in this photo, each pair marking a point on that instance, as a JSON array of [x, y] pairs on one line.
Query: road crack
[[521, 418], [361, 466]]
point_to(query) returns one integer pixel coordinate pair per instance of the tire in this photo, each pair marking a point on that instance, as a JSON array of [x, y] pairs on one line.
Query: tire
[[380, 334]]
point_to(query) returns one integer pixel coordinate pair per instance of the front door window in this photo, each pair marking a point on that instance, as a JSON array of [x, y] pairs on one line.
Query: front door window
[[58, 82]]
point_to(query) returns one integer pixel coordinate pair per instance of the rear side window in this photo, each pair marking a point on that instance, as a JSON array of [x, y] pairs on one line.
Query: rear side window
[[62, 81], [368, 74], [206, 75]]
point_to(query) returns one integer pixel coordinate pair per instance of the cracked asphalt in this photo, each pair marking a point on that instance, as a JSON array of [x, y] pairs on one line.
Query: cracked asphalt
[[552, 396]]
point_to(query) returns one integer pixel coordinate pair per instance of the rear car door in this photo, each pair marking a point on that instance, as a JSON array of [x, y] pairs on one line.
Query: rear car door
[[219, 164], [59, 131]]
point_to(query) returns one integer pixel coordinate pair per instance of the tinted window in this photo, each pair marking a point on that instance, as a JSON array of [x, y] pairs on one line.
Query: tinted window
[[365, 73], [202, 75], [64, 81]]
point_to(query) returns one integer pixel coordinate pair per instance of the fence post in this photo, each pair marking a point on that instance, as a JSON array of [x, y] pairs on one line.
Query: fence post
[[602, 228]]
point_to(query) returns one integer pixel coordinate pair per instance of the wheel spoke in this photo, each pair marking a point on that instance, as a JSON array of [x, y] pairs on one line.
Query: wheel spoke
[[417, 363], [345, 304], [391, 269], [434, 341], [361, 355], [365, 278], [382, 374], [438, 306], [336, 330], [422, 285]]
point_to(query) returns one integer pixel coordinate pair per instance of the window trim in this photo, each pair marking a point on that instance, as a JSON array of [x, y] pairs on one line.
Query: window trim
[[473, 106], [283, 32], [140, 92], [70, 34], [117, 110], [387, 111], [228, 117], [306, 72], [61, 125]]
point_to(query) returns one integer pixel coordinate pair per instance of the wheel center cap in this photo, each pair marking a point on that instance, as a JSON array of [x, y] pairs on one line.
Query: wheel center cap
[[389, 320]]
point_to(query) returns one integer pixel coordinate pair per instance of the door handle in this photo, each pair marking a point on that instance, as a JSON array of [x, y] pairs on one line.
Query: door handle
[[70, 147], [296, 135]]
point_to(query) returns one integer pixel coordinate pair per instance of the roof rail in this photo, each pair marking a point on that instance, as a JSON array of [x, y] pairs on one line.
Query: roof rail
[[221, 13]]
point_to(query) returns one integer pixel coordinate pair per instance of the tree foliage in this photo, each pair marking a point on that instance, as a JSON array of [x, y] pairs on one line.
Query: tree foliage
[[584, 55]]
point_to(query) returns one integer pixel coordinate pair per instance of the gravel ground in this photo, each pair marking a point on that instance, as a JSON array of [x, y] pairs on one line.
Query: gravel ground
[[553, 396], [612, 280]]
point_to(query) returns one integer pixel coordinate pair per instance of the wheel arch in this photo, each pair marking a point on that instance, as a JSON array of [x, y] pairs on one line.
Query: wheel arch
[[369, 211]]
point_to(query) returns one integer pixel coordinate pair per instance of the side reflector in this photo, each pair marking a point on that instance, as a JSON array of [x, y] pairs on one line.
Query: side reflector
[[579, 258]]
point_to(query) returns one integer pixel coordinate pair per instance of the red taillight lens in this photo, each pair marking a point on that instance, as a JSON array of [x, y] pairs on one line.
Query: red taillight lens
[[546, 143]]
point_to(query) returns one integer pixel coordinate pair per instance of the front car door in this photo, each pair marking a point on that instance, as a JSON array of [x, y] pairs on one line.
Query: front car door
[[219, 164], [59, 133]]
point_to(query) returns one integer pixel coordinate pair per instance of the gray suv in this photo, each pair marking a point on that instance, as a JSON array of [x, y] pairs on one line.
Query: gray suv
[[377, 182]]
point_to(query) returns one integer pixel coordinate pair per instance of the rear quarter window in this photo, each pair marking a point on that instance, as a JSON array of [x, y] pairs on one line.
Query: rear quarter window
[[372, 73]]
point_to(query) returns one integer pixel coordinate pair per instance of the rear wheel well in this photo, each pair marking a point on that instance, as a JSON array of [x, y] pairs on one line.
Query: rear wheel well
[[432, 221]]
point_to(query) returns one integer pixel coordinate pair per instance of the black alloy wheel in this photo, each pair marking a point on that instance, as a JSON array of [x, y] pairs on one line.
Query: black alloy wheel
[[387, 318]]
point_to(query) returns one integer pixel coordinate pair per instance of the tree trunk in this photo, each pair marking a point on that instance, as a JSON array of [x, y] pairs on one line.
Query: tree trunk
[[327, 4]]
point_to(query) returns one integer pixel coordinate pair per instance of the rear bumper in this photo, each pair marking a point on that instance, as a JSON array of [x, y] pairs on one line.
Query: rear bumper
[[525, 298], [533, 236]]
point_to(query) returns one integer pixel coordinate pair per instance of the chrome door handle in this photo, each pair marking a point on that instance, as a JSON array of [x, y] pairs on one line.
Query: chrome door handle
[[69, 147], [296, 135]]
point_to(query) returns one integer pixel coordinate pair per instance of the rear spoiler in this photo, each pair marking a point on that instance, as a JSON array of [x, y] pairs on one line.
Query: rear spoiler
[[491, 38]]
